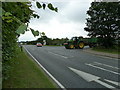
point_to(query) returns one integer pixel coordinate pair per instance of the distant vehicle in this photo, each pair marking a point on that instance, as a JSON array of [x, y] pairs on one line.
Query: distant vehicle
[[39, 45]]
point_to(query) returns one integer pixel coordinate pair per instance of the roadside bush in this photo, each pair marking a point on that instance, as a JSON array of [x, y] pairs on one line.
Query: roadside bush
[[12, 10]]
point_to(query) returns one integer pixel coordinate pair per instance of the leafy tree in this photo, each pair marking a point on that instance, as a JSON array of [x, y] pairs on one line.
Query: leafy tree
[[15, 19], [11, 12], [9, 26], [104, 22]]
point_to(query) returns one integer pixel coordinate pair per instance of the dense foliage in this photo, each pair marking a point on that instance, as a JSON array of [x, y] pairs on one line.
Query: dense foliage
[[104, 22], [9, 27], [12, 10], [15, 19]]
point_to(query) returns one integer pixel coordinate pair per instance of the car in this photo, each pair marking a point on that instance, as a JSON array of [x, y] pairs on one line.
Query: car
[[39, 45]]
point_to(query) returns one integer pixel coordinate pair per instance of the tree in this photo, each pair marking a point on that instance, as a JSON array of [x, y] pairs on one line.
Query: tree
[[104, 22], [15, 19], [11, 11]]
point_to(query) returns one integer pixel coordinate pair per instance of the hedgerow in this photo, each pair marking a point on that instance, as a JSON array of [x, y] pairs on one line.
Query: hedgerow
[[15, 19]]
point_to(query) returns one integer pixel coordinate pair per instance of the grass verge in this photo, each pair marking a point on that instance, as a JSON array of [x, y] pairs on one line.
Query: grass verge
[[114, 50], [25, 73]]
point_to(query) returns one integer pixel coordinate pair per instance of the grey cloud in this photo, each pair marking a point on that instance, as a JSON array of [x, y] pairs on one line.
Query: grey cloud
[[67, 12], [47, 15], [77, 12]]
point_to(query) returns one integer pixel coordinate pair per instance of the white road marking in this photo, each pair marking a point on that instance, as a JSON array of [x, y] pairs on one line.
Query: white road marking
[[102, 69], [113, 82], [58, 54], [106, 65], [107, 57], [58, 83], [104, 84], [89, 77]]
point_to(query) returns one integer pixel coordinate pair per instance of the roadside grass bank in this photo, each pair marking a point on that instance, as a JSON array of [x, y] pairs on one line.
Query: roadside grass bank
[[25, 73], [114, 50]]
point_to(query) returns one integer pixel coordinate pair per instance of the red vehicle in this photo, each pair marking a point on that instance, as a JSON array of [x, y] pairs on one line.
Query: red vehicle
[[39, 45]]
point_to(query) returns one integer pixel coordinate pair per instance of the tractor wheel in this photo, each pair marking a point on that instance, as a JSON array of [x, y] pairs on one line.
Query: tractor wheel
[[81, 45], [71, 46]]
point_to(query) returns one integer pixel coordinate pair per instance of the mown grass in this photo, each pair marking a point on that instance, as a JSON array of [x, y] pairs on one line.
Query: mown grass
[[113, 50], [25, 73]]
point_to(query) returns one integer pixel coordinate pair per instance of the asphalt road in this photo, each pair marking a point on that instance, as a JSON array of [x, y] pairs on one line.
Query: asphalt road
[[74, 68]]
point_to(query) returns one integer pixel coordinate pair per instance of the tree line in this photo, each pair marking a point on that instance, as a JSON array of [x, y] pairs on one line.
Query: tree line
[[49, 41]]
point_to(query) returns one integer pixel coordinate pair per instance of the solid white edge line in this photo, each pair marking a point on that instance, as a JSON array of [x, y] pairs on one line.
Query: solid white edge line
[[59, 84]]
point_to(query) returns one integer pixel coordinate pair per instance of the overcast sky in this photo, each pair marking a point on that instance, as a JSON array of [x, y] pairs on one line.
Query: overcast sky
[[68, 22]]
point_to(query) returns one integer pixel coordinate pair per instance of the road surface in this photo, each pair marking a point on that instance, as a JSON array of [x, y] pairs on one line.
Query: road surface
[[74, 68]]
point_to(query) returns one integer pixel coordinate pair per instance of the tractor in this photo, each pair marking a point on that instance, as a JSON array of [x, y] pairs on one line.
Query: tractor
[[80, 42]]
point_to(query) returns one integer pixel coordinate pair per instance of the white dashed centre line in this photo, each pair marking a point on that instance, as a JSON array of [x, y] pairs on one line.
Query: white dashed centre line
[[57, 54]]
